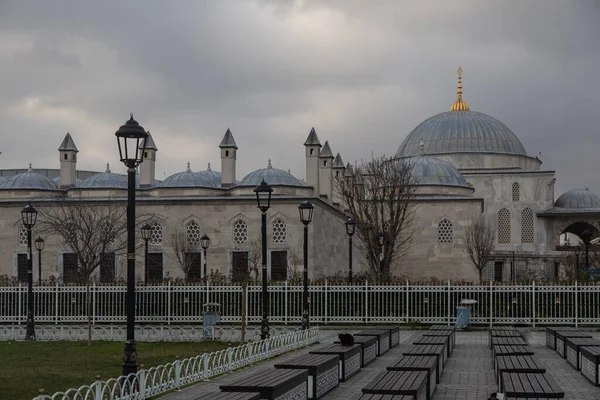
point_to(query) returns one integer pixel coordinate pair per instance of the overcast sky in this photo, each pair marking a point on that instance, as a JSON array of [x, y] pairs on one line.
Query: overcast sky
[[363, 73]]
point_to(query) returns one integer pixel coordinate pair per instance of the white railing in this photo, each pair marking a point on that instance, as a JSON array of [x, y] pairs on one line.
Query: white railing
[[173, 376], [329, 304]]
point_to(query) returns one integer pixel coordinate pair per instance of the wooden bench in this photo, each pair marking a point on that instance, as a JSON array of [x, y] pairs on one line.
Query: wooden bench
[[437, 340], [520, 364], [323, 372], [229, 396], [561, 336], [530, 386], [371, 396], [350, 358], [382, 336], [590, 364], [273, 384], [420, 363], [400, 382], [428, 350], [441, 327], [509, 350], [394, 334], [574, 346], [502, 333], [368, 348], [451, 334], [551, 335], [504, 341]]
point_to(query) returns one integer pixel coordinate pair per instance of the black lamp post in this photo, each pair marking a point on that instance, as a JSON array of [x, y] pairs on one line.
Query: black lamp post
[[380, 242], [146, 230], [586, 237], [350, 228], [29, 217], [39, 246], [204, 243], [306, 210], [263, 199], [131, 138]]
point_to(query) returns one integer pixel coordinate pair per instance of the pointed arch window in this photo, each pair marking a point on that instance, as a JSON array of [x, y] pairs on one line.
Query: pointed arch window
[[445, 233], [240, 232], [527, 226], [516, 191], [192, 232], [279, 231], [504, 226]]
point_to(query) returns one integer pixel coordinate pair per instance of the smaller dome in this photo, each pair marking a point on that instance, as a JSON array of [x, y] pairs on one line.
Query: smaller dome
[[105, 180], [578, 198], [272, 176], [188, 178], [433, 171], [29, 180], [213, 176], [78, 181]]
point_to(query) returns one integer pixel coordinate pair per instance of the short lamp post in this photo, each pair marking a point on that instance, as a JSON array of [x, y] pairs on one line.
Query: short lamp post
[[380, 242], [131, 138], [39, 246], [306, 210], [263, 199], [204, 243], [146, 230], [350, 229], [29, 217]]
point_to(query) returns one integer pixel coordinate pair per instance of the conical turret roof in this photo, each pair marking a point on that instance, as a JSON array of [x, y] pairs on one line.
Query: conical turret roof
[[312, 139], [326, 151], [68, 144], [228, 140], [338, 162]]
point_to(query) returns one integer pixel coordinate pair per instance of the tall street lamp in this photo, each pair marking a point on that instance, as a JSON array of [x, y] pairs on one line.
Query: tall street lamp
[[380, 242], [39, 246], [131, 138], [306, 210], [263, 199], [29, 217], [350, 228], [204, 243], [146, 230]]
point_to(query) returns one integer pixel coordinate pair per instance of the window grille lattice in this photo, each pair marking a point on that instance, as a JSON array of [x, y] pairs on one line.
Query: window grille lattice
[[516, 191], [279, 231], [107, 234], [445, 232], [156, 234], [192, 231], [504, 226], [527, 232], [22, 236], [240, 232]]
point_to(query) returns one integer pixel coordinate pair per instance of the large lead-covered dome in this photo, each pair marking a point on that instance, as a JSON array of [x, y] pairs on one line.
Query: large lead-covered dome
[[460, 130]]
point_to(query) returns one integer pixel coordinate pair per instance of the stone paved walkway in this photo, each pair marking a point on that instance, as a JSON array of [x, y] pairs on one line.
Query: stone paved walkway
[[468, 374]]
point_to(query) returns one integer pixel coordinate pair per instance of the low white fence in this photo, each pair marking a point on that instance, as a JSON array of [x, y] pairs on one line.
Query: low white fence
[[172, 376], [530, 304]]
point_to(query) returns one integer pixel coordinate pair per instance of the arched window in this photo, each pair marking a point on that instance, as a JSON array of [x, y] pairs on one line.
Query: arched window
[[156, 234], [279, 231], [192, 232], [22, 235], [516, 191], [240, 232], [445, 233], [504, 226], [527, 231]]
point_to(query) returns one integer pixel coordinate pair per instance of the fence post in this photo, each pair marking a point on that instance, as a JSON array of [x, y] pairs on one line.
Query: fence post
[[366, 301], [326, 298], [142, 381], [491, 305], [407, 302], [94, 304], [533, 303], [449, 309], [19, 305], [247, 306], [285, 303], [576, 306], [56, 307], [177, 373], [169, 304]]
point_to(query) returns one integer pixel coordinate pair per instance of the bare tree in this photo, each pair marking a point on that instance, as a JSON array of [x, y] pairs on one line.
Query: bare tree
[[183, 251], [90, 230], [380, 196], [479, 243]]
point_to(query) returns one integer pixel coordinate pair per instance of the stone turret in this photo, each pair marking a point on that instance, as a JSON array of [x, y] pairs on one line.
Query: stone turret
[[338, 173], [147, 168], [228, 159], [326, 173], [312, 150], [68, 162]]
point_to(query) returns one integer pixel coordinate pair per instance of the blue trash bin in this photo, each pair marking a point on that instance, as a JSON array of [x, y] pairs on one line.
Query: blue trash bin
[[211, 314], [463, 315]]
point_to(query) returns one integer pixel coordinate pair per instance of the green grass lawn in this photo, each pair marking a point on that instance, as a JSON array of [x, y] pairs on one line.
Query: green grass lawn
[[25, 367]]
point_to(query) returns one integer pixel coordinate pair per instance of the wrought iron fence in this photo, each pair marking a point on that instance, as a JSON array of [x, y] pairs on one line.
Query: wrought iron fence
[[530, 304], [151, 382]]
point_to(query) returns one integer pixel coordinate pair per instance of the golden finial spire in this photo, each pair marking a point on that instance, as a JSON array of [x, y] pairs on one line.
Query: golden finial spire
[[459, 104]]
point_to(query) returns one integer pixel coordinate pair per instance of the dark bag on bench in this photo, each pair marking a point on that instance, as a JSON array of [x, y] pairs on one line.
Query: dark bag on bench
[[346, 339]]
